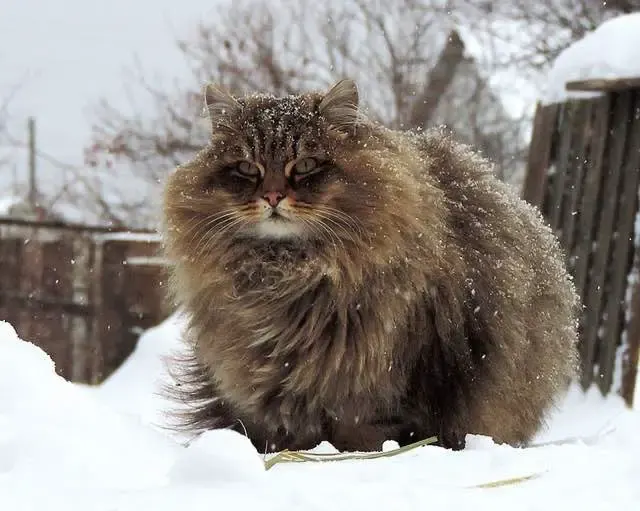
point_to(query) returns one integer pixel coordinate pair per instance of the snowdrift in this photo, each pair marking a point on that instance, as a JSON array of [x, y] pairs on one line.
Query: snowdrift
[[63, 446]]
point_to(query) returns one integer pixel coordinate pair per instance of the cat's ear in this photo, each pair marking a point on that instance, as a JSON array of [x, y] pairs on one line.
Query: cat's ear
[[339, 106], [218, 103]]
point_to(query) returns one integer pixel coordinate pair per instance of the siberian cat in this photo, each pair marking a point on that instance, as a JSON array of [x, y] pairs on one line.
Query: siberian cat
[[349, 283]]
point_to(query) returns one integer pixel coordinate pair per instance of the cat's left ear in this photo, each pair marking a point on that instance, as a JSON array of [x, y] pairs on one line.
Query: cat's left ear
[[339, 106], [218, 103]]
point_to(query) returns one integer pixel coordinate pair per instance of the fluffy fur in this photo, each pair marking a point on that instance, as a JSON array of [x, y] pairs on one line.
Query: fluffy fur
[[396, 291]]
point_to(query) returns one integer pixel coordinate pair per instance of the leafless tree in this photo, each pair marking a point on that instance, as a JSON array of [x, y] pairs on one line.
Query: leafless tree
[[532, 34], [408, 57]]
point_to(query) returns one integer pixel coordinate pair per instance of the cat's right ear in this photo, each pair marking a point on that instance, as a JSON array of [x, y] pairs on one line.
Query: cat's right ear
[[218, 103], [339, 106]]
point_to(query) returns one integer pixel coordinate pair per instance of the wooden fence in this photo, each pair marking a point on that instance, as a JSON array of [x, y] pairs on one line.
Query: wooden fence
[[584, 169], [83, 294]]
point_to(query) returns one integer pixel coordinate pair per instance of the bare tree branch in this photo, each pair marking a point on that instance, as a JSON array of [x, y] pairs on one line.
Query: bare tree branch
[[439, 81], [411, 73]]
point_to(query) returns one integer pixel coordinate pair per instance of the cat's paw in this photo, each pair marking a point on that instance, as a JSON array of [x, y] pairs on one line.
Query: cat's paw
[[451, 439]]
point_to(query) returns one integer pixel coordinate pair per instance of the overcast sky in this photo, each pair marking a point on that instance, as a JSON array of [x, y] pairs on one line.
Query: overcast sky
[[64, 55]]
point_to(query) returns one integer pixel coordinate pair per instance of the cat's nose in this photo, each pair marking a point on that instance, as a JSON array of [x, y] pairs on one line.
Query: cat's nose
[[273, 198]]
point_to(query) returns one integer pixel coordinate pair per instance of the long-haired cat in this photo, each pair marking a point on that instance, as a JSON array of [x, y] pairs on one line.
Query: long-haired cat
[[349, 283]]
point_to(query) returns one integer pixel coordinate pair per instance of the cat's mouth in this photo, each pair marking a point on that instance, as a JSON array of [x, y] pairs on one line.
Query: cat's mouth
[[276, 215], [277, 223]]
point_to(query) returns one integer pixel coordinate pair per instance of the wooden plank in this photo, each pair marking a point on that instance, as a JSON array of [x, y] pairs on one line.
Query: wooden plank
[[80, 326], [117, 341], [57, 266], [95, 363], [31, 281], [9, 275], [560, 175], [575, 166], [56, 287], [616, 145], [604, 84], [632, 341], [33, 304], [613, 317], [589, 200], [544, 126], [70, 226]]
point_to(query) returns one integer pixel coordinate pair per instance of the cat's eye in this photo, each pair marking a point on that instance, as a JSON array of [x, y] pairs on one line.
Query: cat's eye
[[305, 166], [247, 169]]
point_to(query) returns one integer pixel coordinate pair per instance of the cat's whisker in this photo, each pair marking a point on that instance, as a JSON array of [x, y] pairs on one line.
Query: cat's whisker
[[214, 237], [208, 220], [225, 225], [340, 220], [335, 212], [198, 222], [354, 223], [311, 221], [337, 223], [316, 230], [335, 230], [213, 234], [326, 228], [215, 223], [208, 230]]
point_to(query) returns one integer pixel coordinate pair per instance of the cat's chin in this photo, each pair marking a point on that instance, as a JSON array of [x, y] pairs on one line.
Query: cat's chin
[[276, 229]]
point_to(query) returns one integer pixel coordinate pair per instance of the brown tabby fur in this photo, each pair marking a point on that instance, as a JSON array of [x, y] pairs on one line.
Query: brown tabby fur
[[408, 294]]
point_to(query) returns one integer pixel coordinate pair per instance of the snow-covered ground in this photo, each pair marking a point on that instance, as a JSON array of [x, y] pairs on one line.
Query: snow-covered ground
[[609, 52], [68, 447]]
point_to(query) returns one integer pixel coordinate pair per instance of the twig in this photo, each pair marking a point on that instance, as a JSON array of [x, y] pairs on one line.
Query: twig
[[287, 456], [507, 482]]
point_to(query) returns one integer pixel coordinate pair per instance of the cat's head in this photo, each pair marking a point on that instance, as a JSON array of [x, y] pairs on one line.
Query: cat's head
[[295, 168]]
